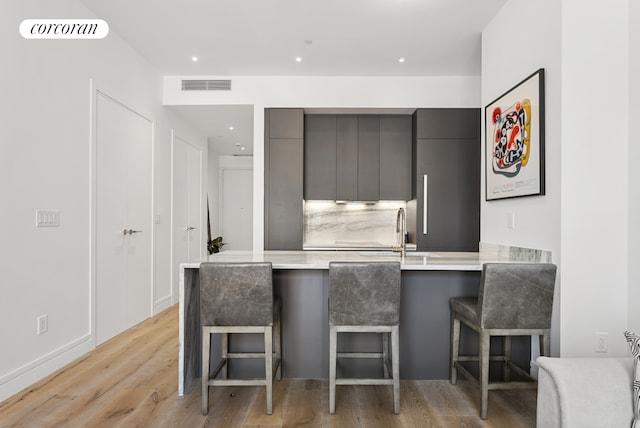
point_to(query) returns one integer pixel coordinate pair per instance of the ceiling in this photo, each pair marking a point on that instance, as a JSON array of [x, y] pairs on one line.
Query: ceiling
[[331, 38]]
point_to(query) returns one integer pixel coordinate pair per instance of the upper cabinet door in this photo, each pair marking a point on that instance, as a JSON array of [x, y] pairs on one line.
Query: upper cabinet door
[[368, 158], [395, 158], [286, 123], [448, 123], [320, 157], [283, 179], [347, 158]]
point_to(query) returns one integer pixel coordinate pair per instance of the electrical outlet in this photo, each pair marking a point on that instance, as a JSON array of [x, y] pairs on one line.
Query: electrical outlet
[[43, 324], [601, 342]]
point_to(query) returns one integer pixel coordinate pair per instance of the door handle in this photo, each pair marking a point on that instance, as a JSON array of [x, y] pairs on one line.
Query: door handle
[[190, 228], [425, 193], [131, 231]]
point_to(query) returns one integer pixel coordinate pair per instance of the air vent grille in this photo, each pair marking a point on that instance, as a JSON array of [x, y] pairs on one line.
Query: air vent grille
[[206, 85]]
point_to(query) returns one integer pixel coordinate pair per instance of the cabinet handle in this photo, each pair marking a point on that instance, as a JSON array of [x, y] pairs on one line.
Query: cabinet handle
[[424, 204]]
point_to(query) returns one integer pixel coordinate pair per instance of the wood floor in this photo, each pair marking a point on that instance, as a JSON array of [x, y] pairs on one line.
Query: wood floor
[[131, 381]]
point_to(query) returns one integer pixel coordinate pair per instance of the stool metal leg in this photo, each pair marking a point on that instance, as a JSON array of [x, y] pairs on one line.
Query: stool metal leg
[[484, 373], [333, 345], [277, 346], [507, 357], [385, 354], [268, 365], [545, 344], [395, 355], [206, 349], [225, 350], [455, 347]]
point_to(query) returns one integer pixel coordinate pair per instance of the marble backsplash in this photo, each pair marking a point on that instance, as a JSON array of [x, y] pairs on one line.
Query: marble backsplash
[[332, 224]]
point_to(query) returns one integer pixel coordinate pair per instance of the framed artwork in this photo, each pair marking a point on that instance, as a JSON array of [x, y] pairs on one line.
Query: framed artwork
[[514, 141]]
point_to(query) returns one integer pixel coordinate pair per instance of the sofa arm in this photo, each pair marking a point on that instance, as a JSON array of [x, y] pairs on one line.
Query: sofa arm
[[585, 392]]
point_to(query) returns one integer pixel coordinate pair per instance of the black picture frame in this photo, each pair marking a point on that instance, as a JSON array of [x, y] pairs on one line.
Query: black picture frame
[[514, 141]]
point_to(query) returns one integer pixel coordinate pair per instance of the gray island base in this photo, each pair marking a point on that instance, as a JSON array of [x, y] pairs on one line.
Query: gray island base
[[301, 278]]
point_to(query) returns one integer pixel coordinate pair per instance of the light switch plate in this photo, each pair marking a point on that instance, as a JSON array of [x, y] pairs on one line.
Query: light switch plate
[[47, 218], [511, 220]]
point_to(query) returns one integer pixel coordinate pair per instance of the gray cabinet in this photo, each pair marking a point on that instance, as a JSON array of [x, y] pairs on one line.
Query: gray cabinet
[[347, 158], [357, 158], [395, 158], [320, 157], [368, 158], [447, 123], [452, 168], [283, 179]]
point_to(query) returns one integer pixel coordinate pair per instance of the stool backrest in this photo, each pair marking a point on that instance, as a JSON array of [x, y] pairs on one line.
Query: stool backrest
[[236, 294], [364, 293], [516, 295]]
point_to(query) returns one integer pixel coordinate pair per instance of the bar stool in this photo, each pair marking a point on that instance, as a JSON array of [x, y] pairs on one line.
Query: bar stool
[[515, 299], [365, 297], [238, 298]]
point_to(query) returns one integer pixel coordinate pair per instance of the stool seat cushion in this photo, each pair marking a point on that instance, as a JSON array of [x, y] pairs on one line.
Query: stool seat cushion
[[466, 307]]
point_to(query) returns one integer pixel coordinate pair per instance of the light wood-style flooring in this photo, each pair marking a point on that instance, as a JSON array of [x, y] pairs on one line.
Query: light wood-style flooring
[[131, 381]]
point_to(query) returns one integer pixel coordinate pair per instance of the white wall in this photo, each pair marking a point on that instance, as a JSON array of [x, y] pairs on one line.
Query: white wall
[[213, 189], [336, 92], [45, 164], [523, 37], [634, 171], [595, 179], [584, 217]]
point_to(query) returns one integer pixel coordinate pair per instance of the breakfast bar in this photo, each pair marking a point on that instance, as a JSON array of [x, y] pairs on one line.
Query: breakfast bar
[[300, 279]]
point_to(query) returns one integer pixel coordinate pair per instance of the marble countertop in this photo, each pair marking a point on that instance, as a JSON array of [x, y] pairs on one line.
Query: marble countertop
[[457, 261]]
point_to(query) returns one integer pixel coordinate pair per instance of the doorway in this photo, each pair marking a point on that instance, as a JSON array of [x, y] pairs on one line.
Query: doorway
[[186, 207], [123, 223], [236, 209]]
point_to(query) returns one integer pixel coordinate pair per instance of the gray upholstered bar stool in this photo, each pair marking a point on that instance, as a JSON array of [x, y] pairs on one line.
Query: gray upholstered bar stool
[[238, 298], [365, 297], [515, 299]]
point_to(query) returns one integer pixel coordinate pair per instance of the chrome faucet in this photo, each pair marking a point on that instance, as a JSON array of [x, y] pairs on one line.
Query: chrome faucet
[[401, 231]]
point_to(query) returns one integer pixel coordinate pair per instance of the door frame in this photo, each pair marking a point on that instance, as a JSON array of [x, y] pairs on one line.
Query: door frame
[[176, 136], [96, 90]]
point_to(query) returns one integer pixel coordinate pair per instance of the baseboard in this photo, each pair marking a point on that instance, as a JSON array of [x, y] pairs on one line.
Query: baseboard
[[21, 378], [161, 305]]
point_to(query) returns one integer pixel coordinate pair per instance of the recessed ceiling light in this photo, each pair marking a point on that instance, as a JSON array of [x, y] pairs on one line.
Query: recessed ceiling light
[[298, 59], [241, 148], [237, 144], [194, 58], [400, 59], [231, 128]]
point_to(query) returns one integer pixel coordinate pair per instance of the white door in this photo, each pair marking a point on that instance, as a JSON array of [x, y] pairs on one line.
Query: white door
[[237, 209], [123, 218], [187, 233]]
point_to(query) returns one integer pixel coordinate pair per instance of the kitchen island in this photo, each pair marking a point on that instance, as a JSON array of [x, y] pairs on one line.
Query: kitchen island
[[300, 278]]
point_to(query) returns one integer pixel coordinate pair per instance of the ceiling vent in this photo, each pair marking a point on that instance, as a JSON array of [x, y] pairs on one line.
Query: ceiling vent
[[206, 85]]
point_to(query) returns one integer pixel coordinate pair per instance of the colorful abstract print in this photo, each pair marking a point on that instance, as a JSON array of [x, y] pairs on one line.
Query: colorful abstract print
[[511, 143]]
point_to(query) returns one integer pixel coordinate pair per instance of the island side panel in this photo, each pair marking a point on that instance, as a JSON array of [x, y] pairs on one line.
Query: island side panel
[[305, 335], [425, 320], [189, 336]]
